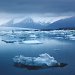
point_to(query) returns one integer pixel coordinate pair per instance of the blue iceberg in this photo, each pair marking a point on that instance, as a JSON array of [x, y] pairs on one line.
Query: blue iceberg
[[43, 61]]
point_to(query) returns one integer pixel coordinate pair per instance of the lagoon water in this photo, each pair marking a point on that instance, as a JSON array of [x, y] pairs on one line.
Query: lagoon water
[[62, 48]]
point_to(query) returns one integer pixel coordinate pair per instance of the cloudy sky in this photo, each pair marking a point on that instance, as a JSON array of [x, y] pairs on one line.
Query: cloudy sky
[[44, 9]]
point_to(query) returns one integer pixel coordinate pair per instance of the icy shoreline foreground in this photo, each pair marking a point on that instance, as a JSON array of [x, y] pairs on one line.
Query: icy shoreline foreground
[[43, 61]]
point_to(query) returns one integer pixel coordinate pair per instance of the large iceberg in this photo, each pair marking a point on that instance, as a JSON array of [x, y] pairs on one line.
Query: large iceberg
[[43, 61]]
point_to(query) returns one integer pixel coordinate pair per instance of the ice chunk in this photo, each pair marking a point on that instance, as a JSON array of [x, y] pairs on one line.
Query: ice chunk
[[33, 36], [43, 61], [32, 42], [72, 38], [9, 41]]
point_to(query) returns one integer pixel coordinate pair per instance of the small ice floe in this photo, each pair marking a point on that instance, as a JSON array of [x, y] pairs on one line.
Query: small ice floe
[[9, 41], [33, 36], [58, 37], [34, 63], [71, 37], [31, 42]]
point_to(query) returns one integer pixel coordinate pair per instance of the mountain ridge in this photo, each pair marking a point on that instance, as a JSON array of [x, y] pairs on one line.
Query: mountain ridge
[[29, 23]]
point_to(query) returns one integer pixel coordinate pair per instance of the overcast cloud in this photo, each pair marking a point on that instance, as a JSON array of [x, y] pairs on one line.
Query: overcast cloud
[[39, 10], [37, 6]]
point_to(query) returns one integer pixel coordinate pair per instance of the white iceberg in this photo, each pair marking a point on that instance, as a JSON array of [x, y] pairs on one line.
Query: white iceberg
[[43, 61], [71, 37], [32, 42], [9, 41], [33, 36]]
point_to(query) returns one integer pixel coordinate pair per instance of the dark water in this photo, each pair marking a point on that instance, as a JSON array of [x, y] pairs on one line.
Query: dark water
[[62, 50]]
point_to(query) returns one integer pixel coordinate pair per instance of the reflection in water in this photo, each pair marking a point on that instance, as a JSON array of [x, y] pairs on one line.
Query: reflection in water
[[18, 65]]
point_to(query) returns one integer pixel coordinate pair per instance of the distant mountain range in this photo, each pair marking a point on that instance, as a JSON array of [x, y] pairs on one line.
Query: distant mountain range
[[67, 23], [26, 23]]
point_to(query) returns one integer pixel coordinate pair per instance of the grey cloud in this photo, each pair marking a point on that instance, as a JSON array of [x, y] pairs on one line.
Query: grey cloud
[[37, 6]]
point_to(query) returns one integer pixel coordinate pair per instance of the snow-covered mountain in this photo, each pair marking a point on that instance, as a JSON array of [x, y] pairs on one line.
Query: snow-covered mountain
[[68, 23], [26, 23], [29, 23]]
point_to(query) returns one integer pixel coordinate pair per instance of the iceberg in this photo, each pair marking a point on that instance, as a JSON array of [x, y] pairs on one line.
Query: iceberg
[[71, 37], [31, 42], [43, 61], [33, 36], [9, 41]]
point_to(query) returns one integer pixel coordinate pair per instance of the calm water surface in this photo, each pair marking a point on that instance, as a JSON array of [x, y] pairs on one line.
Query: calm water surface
[[62, 50]]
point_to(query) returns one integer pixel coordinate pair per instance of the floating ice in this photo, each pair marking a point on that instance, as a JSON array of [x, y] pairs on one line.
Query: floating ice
[[33, 36], [43, 61], [9, 41], [71, 37], [32, 42]]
